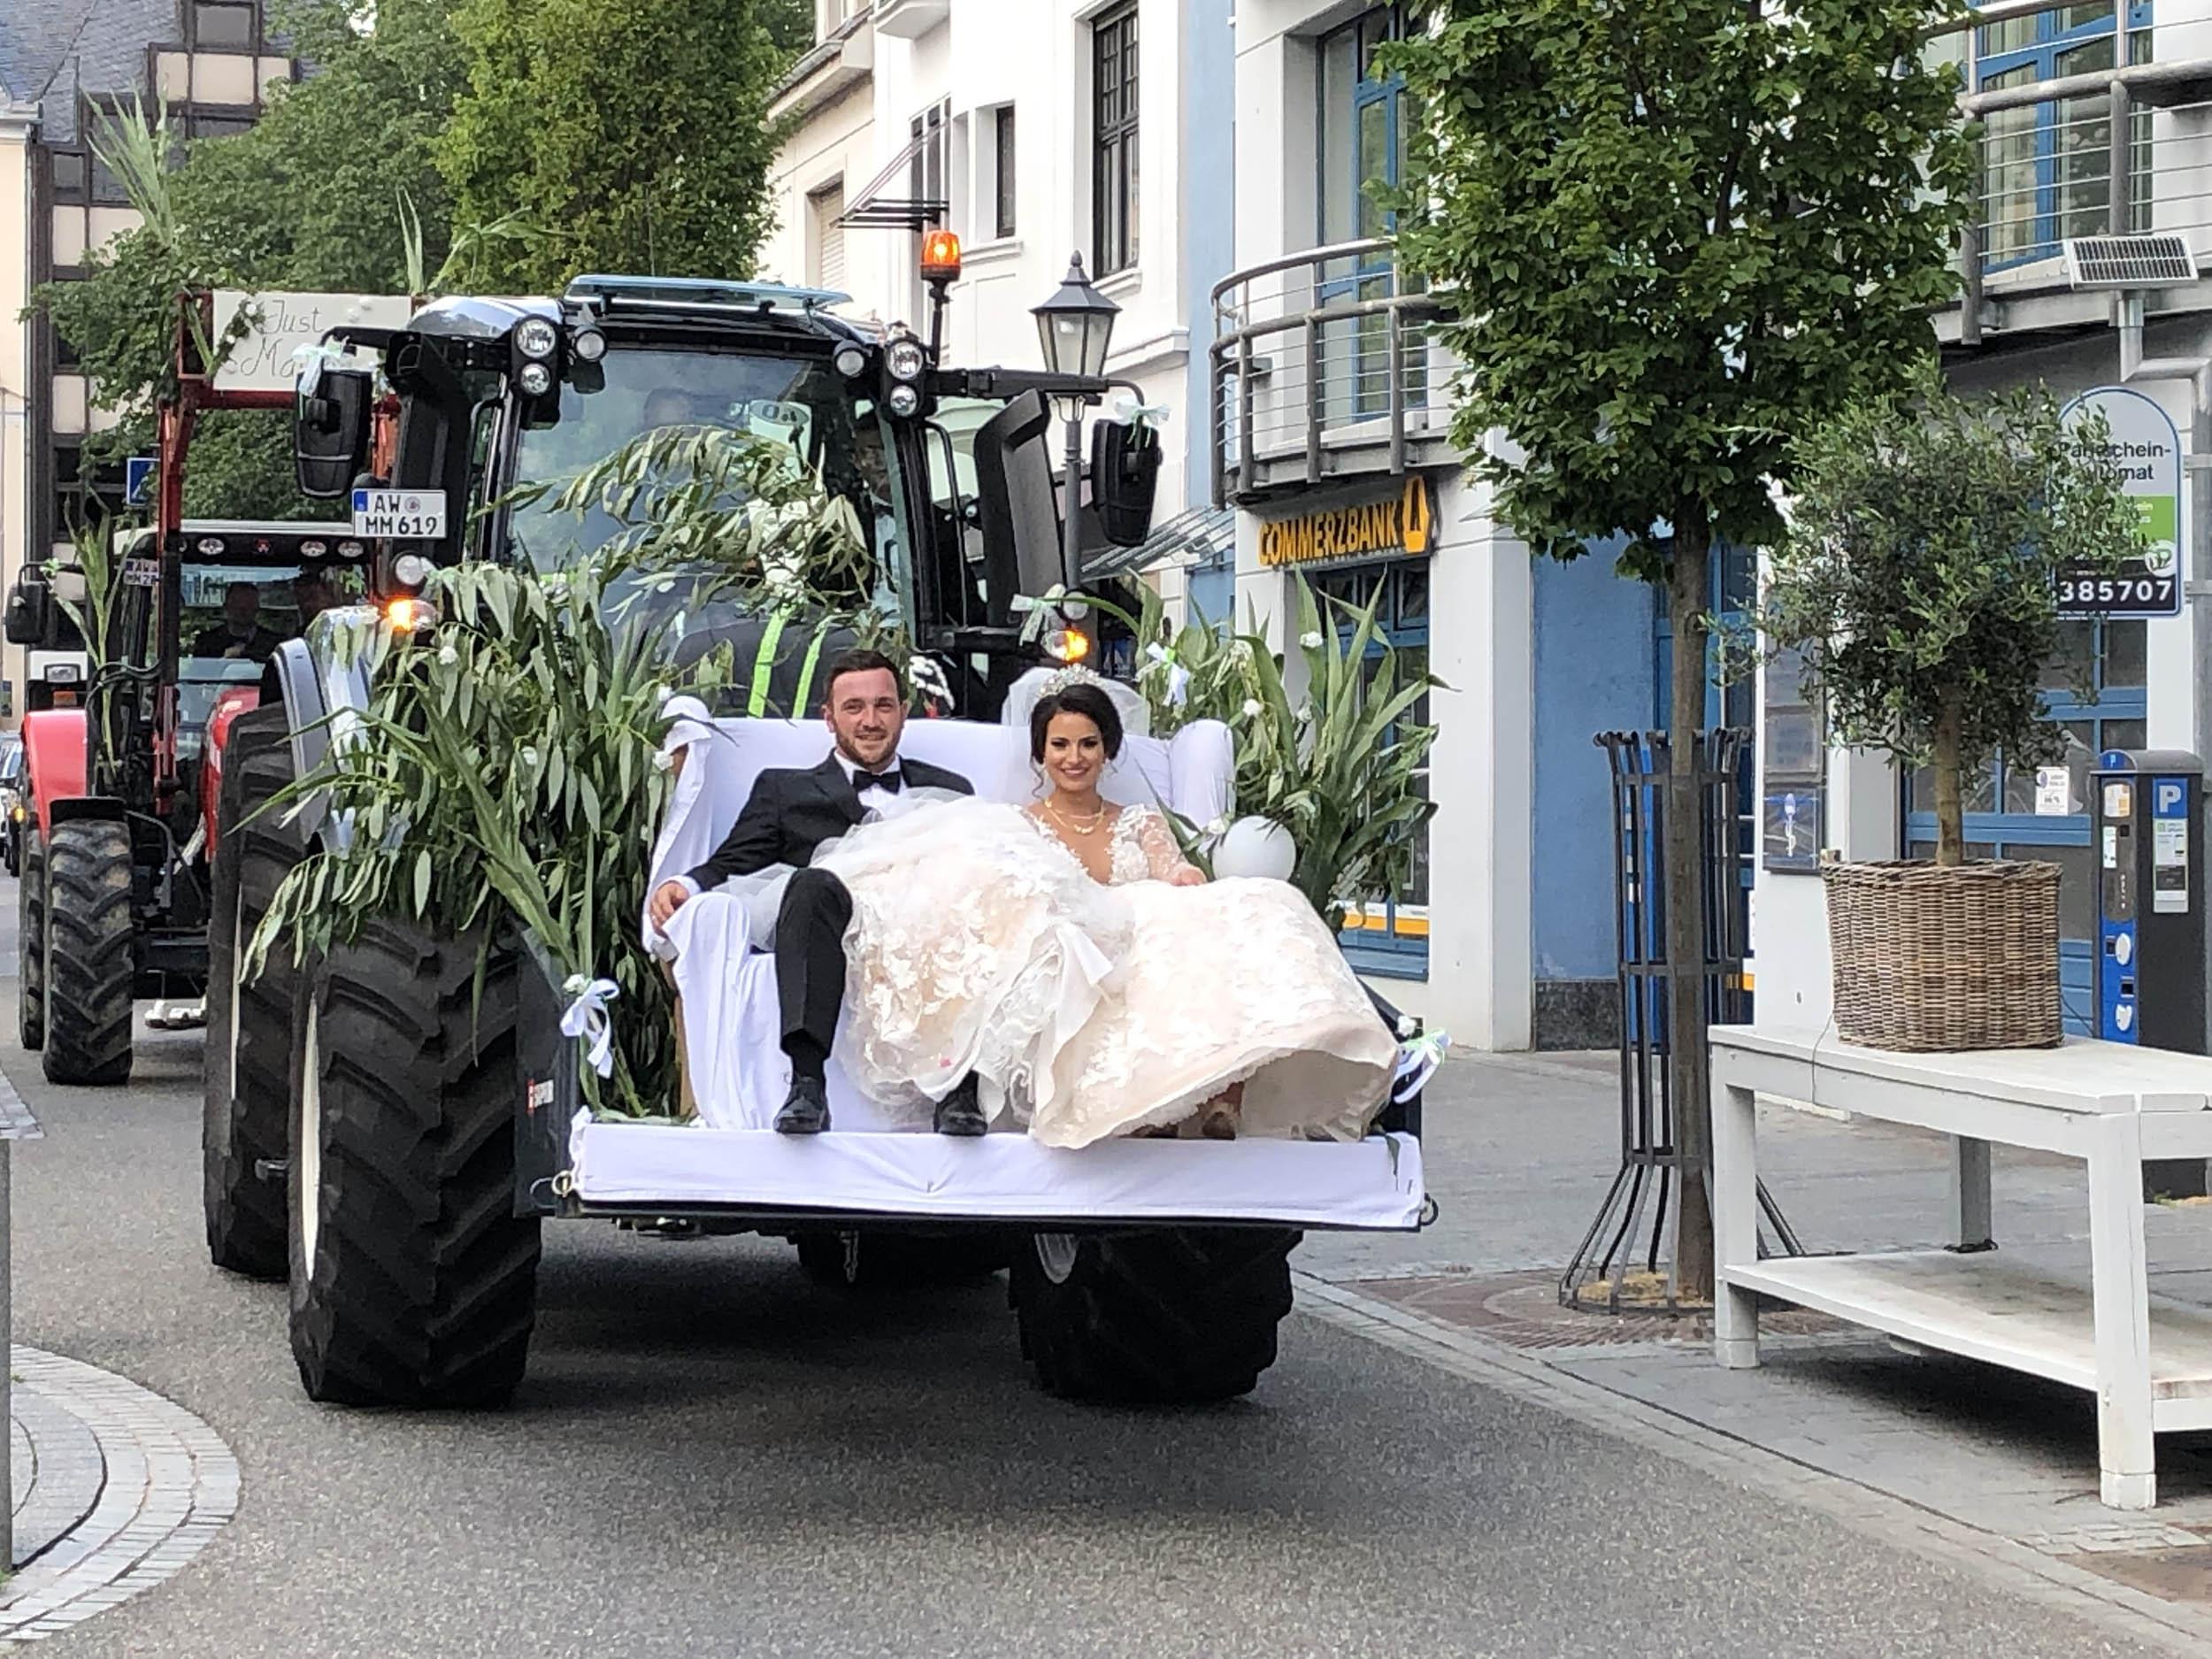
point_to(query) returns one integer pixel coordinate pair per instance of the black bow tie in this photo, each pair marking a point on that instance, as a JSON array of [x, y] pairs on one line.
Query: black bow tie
[[886, 781]]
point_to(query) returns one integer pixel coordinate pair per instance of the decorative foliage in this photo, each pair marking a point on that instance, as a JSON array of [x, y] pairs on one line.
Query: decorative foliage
[[506, 774], [1919, 575], [1336, 766]]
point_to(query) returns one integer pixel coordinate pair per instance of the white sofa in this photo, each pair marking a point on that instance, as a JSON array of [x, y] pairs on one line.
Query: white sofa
[[731, 1159]]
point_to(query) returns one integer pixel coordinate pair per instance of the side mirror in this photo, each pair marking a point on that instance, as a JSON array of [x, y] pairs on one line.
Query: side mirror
[[30, 615], [1016, 508], [1124, 478], [330, 428]]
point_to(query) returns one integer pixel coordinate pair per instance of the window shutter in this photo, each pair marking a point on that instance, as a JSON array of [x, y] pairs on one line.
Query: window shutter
[[829, 239]]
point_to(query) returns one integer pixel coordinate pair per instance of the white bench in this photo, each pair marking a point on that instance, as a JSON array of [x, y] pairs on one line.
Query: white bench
[[2147, 1360]]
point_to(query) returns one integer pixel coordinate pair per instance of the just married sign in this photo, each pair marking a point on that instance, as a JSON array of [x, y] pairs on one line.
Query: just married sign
[[278, 325]]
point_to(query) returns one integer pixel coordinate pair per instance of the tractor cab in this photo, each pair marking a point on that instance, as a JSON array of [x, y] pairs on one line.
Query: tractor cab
[[947, 471]]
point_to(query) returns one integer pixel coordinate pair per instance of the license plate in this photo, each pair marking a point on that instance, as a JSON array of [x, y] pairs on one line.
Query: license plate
[[409, 515]]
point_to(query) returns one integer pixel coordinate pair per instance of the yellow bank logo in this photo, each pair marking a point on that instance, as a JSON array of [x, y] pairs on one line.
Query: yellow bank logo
[[1400, 524]]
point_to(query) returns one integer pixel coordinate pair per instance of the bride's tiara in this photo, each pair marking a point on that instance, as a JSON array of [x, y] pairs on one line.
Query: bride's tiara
[[1073, 674]]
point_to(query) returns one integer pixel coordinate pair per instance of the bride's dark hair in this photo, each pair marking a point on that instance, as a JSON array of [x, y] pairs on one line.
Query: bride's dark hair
[[1087, 700]]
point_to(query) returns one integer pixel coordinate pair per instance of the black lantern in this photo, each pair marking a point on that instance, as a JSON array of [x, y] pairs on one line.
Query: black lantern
[[1075, 324]]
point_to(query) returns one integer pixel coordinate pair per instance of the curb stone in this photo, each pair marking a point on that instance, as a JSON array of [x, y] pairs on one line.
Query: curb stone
[[128, 1488]]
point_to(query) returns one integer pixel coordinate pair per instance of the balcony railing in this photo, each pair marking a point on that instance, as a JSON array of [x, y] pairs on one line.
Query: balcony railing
[[1324, 365]]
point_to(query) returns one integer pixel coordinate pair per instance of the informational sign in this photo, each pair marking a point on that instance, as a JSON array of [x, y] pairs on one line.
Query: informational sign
[[2145, 450], [1400, 523], [2169, 847], [138, 481], [2054, 792], [1790, 830], [408, 514], [280, 326]]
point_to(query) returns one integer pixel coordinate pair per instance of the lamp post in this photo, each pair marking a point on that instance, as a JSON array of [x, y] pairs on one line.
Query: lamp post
[[1074, 326]]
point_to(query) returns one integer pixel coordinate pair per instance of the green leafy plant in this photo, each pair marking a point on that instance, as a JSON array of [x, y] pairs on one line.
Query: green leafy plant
[[1337, 765], [506, 775], [1919, 576]]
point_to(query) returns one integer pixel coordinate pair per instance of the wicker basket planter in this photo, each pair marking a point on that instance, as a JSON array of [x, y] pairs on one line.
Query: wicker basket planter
[[1934, 960]]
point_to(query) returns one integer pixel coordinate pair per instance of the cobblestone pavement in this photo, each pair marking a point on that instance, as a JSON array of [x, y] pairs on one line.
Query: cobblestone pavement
[[117, 1489]]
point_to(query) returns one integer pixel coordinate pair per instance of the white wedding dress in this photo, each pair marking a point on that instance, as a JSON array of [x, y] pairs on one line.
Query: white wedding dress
[[1085, 1010]]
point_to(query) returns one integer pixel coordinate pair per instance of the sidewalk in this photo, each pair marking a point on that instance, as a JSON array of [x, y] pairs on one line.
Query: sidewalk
[[1520, 1150]]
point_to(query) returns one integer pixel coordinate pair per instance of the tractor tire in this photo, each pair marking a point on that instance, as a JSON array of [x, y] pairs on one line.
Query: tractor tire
[[413, 1281], [30, 944], [867, 1260], [246, 1083], [91, 949], [1179, 1316]]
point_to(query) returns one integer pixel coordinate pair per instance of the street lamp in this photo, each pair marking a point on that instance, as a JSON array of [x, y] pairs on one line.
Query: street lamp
[[1074, 327]]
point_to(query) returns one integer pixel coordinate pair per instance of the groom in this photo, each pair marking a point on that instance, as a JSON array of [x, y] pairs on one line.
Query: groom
[[791, 813]]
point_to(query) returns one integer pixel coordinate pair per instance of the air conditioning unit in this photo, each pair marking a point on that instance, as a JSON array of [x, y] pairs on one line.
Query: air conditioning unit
[[2157, 261]]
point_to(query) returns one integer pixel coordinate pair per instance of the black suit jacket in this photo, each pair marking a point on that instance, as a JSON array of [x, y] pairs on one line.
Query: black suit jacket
[[792, 811]]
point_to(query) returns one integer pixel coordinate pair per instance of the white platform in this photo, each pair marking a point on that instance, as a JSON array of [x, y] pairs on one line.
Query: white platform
[[1374, 1184], [2000, 1312]]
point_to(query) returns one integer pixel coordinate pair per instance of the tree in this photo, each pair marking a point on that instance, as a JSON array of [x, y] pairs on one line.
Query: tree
[[311, 198], [633, 136], [1672, 232], [1920, 574]]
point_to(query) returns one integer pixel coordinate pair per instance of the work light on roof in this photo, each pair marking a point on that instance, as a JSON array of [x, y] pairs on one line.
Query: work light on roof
[[850, 361], [588, 344]]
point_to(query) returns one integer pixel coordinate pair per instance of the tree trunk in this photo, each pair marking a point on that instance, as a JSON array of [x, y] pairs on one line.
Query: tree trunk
[[1688, 602], [1949, 812]]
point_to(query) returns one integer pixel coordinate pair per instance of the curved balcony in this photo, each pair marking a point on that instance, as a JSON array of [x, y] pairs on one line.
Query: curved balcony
[[1324, 366]]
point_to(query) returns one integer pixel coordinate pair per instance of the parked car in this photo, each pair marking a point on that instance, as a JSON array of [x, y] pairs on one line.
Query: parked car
[[11, 803]]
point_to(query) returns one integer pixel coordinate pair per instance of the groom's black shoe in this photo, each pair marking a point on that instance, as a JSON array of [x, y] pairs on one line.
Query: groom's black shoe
[[958, 1114], [805, 1110]]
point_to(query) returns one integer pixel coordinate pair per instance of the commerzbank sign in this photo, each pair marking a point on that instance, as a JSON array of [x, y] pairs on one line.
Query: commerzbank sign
[[1398, 523]]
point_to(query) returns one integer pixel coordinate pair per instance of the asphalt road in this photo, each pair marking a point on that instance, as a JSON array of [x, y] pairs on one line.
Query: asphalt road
[[713, 1456]]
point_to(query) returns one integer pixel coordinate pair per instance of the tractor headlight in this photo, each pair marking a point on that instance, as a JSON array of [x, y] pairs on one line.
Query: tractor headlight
[[350, 549], [904, 400], [537, 338], [905, 360], [850, 361], [410, 570], [588, 344], [535, 379]]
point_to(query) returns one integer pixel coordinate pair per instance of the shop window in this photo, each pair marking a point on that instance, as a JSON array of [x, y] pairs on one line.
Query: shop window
[[1384, 937], [2046, 169], [1114, 140], [2023, 811]]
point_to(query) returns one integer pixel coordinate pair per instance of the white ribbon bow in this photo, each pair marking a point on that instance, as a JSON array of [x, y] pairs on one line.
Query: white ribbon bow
[[928, 676], [1178, 676], [1037, 610], [1417, 1061], [1146, 417], [586, 1018]]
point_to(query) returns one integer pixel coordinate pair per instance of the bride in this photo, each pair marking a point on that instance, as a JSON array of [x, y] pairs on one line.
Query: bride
[[1142, 999]]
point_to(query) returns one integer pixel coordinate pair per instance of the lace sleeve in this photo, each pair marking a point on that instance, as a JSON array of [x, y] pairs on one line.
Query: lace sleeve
[[1162, 857]]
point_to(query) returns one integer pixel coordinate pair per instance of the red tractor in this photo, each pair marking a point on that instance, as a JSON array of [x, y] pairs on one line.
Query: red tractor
[[120, 793]]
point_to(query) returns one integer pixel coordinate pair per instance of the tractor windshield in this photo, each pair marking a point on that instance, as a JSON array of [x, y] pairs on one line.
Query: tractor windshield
[[800, 401]]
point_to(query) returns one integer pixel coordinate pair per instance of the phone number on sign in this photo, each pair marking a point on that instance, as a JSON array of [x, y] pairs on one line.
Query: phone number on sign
[[2108, 593]]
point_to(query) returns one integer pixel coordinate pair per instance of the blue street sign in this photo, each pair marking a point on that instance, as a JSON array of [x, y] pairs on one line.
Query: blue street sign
[[138, 481]]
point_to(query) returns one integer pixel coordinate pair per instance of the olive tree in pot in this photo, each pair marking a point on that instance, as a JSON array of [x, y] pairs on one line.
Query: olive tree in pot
[[1918, 579]]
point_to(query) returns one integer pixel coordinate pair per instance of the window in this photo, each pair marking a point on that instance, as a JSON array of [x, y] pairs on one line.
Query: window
[[1363, 127], [1390, 938], [826, 253], [832, 15], [71, 176], [1114, 139], [2046, 169], [224, 25], [930, 132], [2006, 815], [217, 123], [1002, 171]]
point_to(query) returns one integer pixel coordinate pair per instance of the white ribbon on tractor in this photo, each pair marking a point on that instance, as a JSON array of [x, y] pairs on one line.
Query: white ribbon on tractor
[[1147, 417], [1036, 609], [586, 1019], [1178, 676], [928, 678], [1417, 1060]]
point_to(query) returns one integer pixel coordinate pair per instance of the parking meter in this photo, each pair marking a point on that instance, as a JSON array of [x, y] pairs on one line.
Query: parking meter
[[2148, 818]]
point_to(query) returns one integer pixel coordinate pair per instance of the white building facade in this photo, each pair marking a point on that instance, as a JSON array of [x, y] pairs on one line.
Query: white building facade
[[2049, 175], [1033, 129]]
